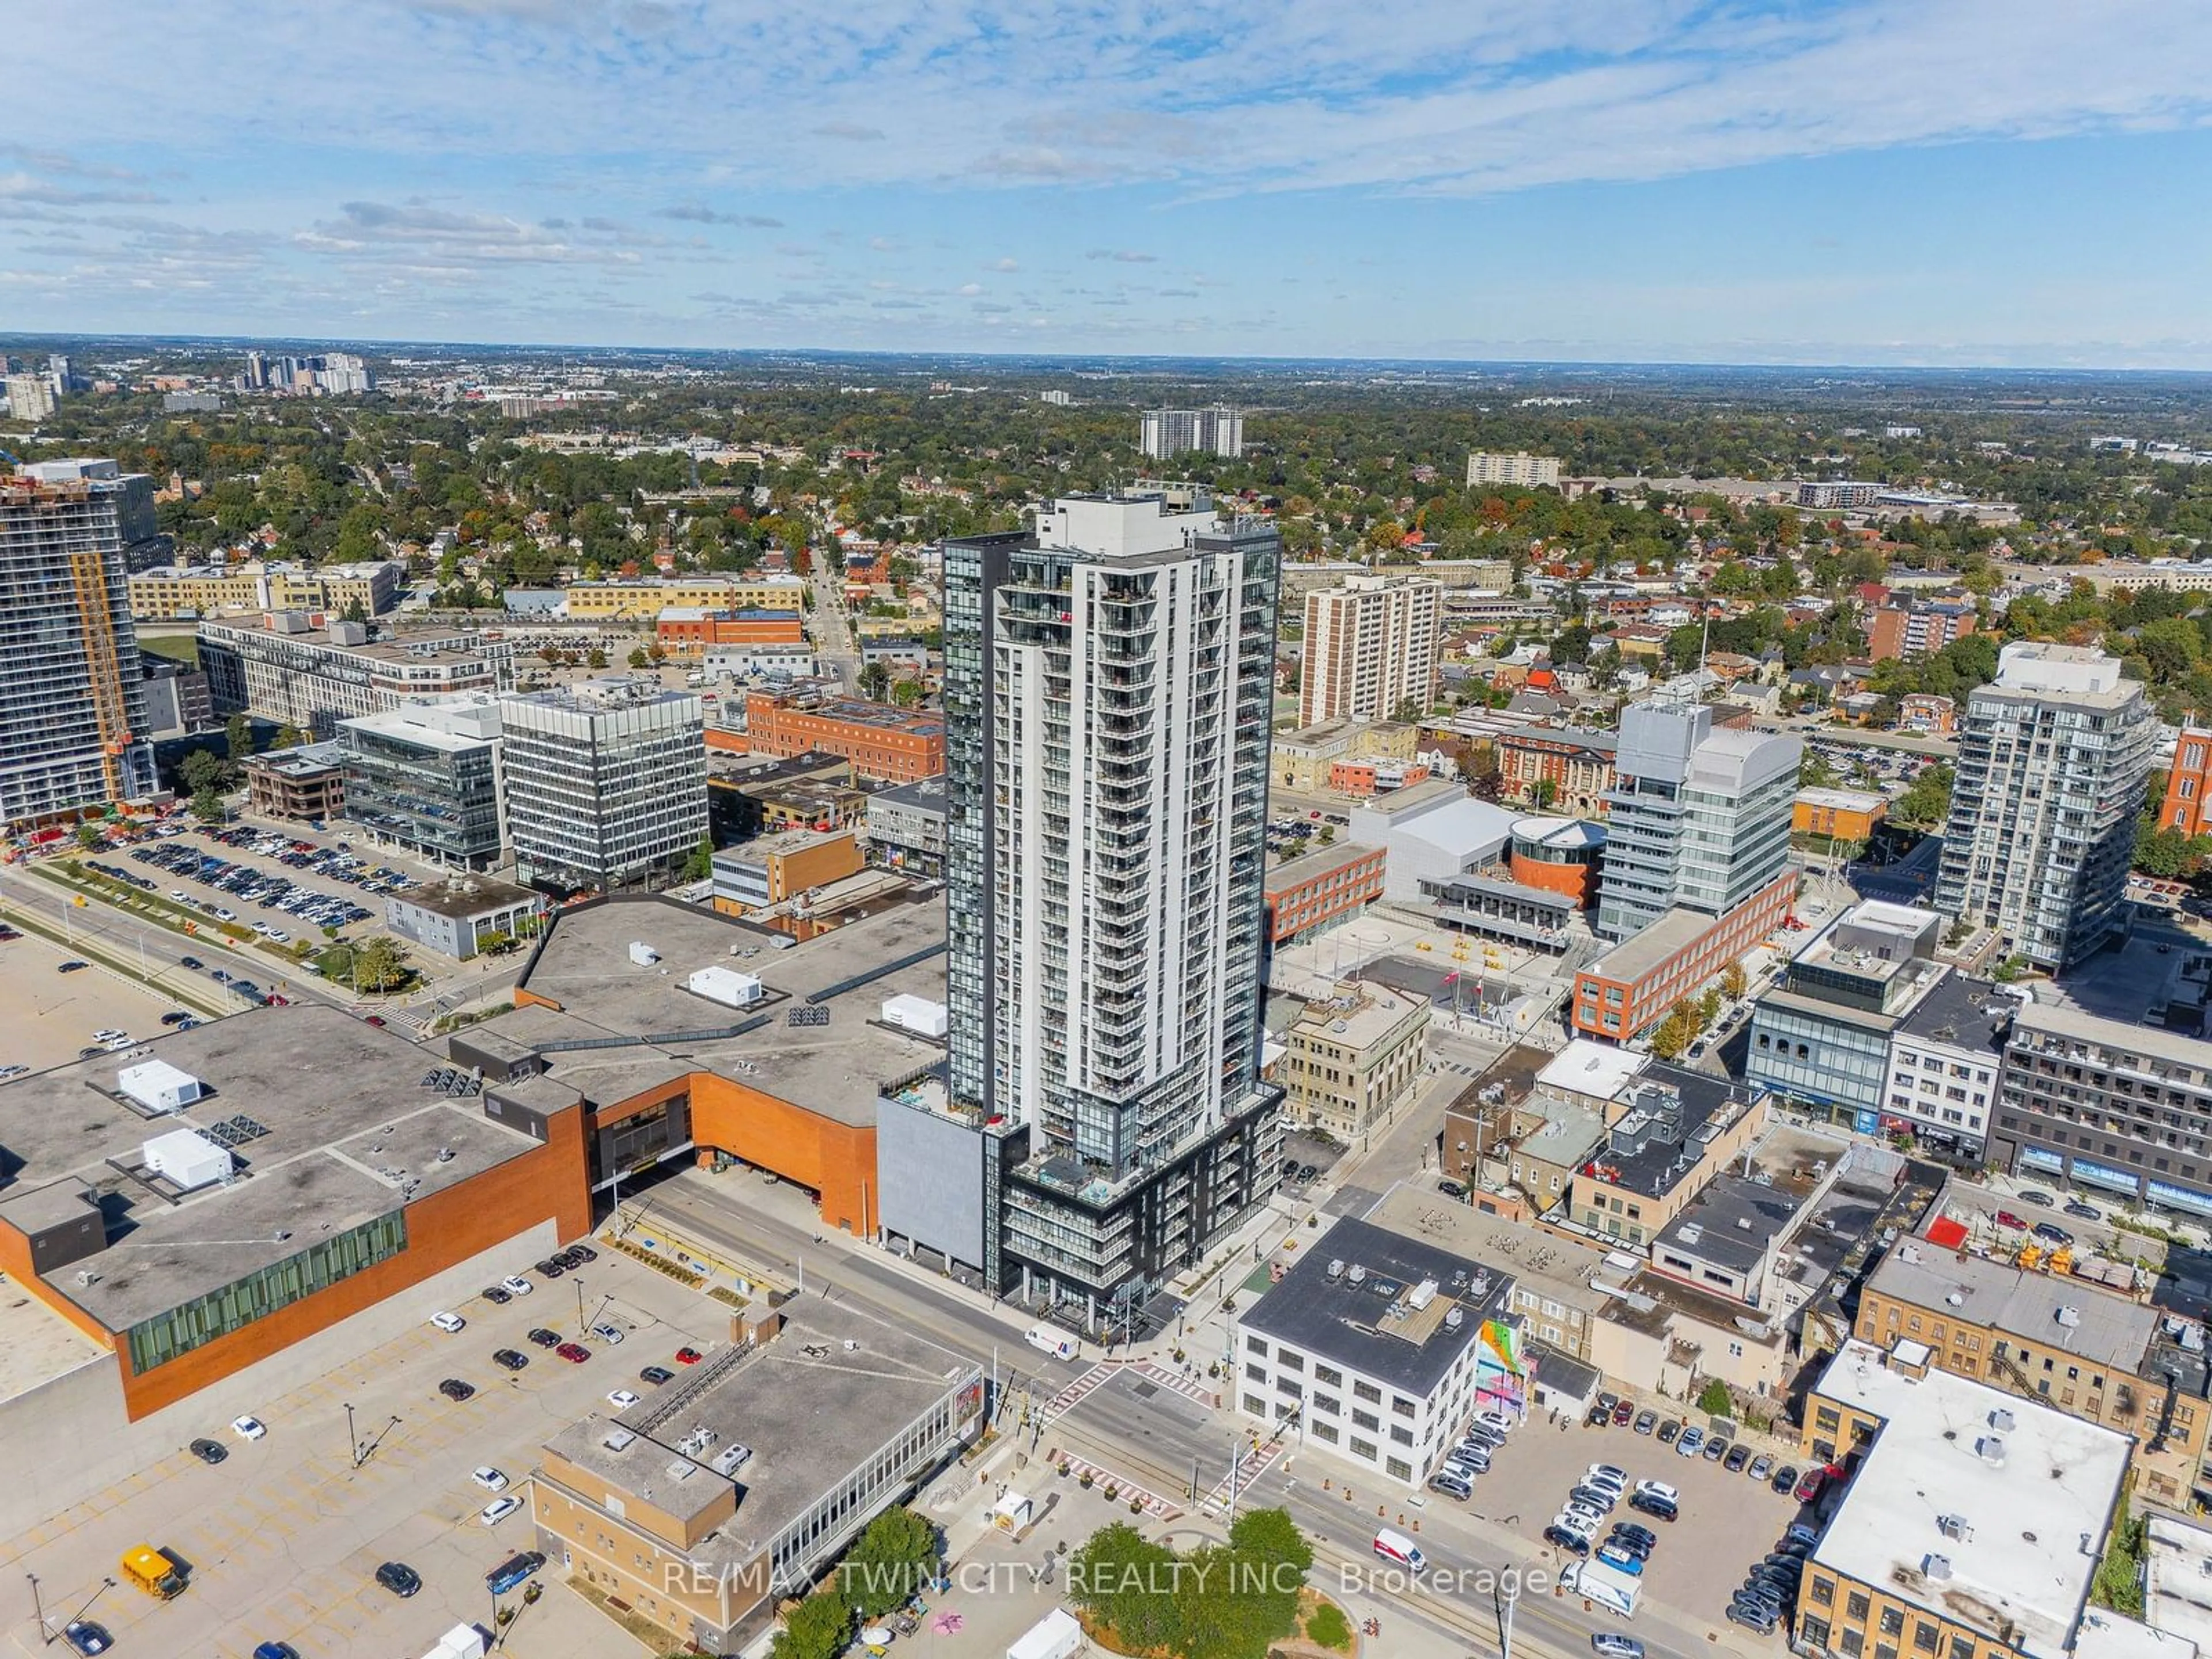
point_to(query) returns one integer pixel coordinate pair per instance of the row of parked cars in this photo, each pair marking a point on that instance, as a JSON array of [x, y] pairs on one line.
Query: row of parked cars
[[1470, 1459], [1590, 1505], [1714, 1446], [250, 886], [1769, 1589]]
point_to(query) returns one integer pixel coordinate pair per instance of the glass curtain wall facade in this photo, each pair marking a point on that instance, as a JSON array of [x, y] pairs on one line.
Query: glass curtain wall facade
[[437, 799], [606, 784]]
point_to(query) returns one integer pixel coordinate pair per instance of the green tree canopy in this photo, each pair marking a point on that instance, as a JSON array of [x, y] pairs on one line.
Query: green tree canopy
[[895, 1557]]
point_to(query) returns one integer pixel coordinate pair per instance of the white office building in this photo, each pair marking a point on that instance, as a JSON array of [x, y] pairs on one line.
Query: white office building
[[2052, 759], [1371, 645], [1216, 430], [606, 784]]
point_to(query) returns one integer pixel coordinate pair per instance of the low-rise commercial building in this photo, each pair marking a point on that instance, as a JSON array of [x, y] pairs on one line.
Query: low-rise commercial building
[[2042, 1333], [1381, 1348], [1725, 1242], [456, 917], [738, 784], [260, 1213], [307, 782], [905, 827], [809, 803], [426, 777], [1315, 890], [1944, 1060], [781, 868], [634, 601], [691, 631], [883, 743], [1302, 761], [1670, 1133], [1926, 713], [1635, 985], [363, 591], [1838, 814], [1973, 1523], [731, 1489], [1354, 1058]]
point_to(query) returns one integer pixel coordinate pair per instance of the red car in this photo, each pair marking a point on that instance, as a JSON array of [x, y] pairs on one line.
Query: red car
[[1809, 1489], [574, 1352], [275, 1001], [374, 1019], [689, 1356], [1624, 1413], [2007, 1218]]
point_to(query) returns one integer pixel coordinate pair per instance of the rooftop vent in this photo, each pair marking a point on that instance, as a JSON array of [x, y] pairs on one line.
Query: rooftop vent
[[1693, 1233], [619, 1439], [2069, 1316], [1990, 1449], [1743, 1222], [1936, 1567], [2001, 1420], [1954, 1526], [1955, 1300]]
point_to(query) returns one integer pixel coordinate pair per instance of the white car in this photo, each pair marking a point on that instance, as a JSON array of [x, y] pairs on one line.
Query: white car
[[117, 1045], [1498, 1421], [108, 1035], [515, 1285], [1657, 1489], [489, 1478], [248, 1428], [610, 1334], [449, 1321], [622, 1399], [499, 1509]]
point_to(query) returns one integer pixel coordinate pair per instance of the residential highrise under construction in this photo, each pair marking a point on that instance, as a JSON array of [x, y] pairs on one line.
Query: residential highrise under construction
[[72, 699]]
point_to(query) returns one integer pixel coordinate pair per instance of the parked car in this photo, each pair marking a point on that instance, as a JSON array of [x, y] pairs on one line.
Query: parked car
[[2086, 1212], [489, 1478], [509, 1358], [1646, 1420], [657, 1375], [449, 1321], [210, 1452], [689, 1356], [248, 1428], [86, 1636], [1786, 1479], [574, 1352], [1670, 1431], [1608, 1645], [1658, 1508], [2051, 1233], [499, 1509], [498, 1294], [515, 1285], [544, 1338], [453, 1388], [1734, 1458], [1692, 1443], [399, 1579], [1624, 1413]]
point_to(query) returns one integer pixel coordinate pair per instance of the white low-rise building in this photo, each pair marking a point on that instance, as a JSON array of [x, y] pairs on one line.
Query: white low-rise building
[[1944, 1060], [1380, 1348]]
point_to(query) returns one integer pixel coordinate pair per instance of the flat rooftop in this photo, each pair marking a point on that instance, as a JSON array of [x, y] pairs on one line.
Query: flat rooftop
[[1635, 957], [1963, 1012], [1732, 1223], [470, 895], [363, 1142], [837, 1069], [1600, 1070], [2064, 1317], [1636, 1159], [1358, 1327], [1560, 1266], [2035, 1522], [1369, 1014], [925, 795], [2177, 1578], [812, 1409], [1310, 866]]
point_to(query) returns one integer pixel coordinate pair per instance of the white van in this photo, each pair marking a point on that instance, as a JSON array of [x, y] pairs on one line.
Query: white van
[[1396, 1547], [1058, 1344]]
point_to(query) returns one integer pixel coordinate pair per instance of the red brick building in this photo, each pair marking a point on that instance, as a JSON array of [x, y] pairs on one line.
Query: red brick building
[[1578, 765], [1917, 627], [1633, 986], [1320, 887], [883, 741], [2188, 803], [689, 631]]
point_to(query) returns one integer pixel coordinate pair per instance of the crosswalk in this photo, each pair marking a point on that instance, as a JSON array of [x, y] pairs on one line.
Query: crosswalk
[[1249, 1467], [1456, 1065], [1080, 1390], [1153, 1372]]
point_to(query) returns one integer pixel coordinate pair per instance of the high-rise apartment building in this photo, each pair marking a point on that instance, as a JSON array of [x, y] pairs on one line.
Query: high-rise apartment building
[[425, 776], [313, 678], [1530, 471], [2052, 759], [1698, 815], [1216, 430], [72, 696], [1371, 645], [606, 783], [1108, 684], [29, 397]]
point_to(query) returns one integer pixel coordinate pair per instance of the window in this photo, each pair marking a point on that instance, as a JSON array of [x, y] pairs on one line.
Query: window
[[1824, 1591], [1893, 1621], [1327, 1403], [1925, 1636], [1365, 1419], [1399, 1468], [1401, 1406], [1855, 1607], [1852, 1643], [1324, 1432], [1328, 1374], [1256, 1344], [1401, 1434], [1815, 1631], [1256, 1373], [1255, 1406], [1363, 1449], [1368, 1391], [1290, 1362]]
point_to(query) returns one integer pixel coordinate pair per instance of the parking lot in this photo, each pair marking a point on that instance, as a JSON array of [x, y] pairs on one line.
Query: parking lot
[[1727, 1521], [299, 886], [282, 1537], [53, 1015]]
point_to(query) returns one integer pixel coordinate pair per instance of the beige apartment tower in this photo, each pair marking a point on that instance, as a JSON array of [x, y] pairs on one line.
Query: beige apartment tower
[[1371, 645]]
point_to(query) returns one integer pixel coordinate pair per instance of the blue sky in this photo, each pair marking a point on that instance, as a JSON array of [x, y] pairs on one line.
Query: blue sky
[[1896, 182]]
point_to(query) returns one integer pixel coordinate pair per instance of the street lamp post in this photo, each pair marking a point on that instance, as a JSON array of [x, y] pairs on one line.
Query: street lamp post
[[580, 1308], [353, 1440], [45, 1636]]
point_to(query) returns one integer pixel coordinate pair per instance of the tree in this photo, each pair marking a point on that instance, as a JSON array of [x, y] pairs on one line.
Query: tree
[[289, 737], [1709, 1007], [1714, 1400], [88, 836], [2171, 856], [596, 658], [1813, 771], [906, 694], [817, 1628], [1734, 981], [1408, 711], [378, 964], [1676, 1032], [1543, 793], [1927, 804], [201, 770], [354, 610], [497, 943], [1327, 1627], [701, 864], [207, 806], [875, 680], [238, 740], [893, 1559], [1328, 834], [1119, 1568], [638, 658]]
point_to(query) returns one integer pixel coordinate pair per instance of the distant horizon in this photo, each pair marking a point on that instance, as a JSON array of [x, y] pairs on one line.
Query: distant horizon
[[48, 340], [1871, 183]]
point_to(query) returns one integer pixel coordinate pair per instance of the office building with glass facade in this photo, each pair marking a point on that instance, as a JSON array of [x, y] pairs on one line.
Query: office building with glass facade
[[425, 777], [606, 784], [261, 1214]]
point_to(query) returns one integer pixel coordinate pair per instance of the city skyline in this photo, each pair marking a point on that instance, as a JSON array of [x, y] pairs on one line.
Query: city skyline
[[1646, 182]]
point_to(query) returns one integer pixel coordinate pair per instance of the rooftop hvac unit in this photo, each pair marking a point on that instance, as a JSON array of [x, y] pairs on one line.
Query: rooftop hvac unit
[[916, 1014], [1422, 1294], [1453, 1318], [643, 955], [158, 1086], [619, 1439], [2002, 1420], [1954, 1526], [2069, 1316], [1936, 1567], [731, 1458], [1358, 1275], [1991, 1451], [188, 1159], [1336, 1269], [726, 985]]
